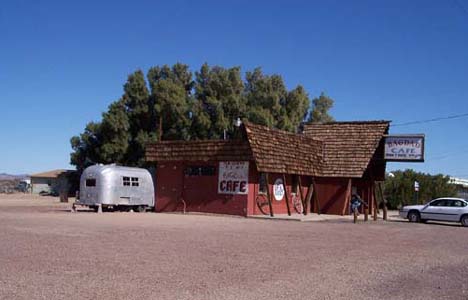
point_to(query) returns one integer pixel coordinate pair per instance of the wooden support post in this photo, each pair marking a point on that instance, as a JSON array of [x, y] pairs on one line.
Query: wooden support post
[[347, 199], [314, 196], [375, 206], [308, 197], [301, 194], [376, 197], [384, 201], [286, 194], [366, 207], [269, 194], [373, 196]]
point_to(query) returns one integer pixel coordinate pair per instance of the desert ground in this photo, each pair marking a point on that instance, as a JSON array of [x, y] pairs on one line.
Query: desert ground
[[47, 252]]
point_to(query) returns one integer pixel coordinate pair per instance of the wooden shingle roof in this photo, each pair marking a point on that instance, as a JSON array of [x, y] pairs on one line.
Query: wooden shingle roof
[[203, 150], [277, 151], [348, 146], [272, 150], [338, 149]]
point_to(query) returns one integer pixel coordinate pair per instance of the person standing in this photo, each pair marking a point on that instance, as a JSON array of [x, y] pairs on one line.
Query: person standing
[[356, 202]]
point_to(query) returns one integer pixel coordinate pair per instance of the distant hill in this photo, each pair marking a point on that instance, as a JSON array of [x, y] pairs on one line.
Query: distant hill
[[5, 176]]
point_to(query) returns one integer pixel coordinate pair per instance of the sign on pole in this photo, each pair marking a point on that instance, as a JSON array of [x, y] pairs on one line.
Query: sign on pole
[[416, 186], [409, 148]]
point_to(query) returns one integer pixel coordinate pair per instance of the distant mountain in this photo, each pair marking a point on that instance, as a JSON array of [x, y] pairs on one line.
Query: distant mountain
[[5, 176]]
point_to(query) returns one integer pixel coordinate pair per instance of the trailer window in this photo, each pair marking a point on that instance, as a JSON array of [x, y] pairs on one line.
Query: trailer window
[[200, 171], [90, 182], [135, 181], [126, 181]]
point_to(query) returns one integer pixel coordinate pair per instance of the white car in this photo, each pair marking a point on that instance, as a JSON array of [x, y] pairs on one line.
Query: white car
[[441, 209]]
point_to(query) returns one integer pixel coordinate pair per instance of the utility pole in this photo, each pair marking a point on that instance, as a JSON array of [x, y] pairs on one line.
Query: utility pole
[[160, 128]]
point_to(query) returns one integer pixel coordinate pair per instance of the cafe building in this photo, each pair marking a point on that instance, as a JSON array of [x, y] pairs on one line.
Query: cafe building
[[269, 171]]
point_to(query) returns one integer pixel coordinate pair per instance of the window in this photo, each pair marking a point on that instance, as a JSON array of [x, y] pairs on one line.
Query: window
[[441, 202], [126, 181], [135, 181], [90, 182], [200, 171], [262, 183], [458, 203]]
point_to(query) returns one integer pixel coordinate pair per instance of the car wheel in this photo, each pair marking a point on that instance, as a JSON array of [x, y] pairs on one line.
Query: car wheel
[[141, 209], [414, 217], [464, 221]]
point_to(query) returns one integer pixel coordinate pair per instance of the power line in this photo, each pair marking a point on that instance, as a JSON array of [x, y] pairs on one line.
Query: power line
[[432, 120], [462, 150]]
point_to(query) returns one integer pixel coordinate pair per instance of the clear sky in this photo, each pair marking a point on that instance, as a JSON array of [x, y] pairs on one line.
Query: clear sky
[[63, 62]]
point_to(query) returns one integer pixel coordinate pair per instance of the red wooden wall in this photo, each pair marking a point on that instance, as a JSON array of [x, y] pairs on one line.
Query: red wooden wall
[[200, 193]]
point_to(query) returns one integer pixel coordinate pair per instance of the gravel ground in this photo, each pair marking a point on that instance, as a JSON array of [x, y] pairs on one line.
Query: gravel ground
[[47, 252]]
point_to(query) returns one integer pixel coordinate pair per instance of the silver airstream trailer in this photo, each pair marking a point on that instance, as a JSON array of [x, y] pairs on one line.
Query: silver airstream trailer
[[111, 186]]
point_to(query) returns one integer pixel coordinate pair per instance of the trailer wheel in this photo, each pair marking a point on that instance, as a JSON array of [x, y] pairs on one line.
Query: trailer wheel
[[141, 209]]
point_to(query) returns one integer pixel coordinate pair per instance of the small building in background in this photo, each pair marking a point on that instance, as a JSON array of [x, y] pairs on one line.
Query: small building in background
[[52, 182], [462, 186]]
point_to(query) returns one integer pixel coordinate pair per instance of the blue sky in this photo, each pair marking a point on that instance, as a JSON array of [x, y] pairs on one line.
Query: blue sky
[[63, 62]]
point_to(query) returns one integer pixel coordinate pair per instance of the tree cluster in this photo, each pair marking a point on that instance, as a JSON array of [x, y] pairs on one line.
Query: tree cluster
[[172, 103], [399, 188]]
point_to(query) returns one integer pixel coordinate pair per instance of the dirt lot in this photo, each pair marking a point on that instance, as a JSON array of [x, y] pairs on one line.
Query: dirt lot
[[47, 252]]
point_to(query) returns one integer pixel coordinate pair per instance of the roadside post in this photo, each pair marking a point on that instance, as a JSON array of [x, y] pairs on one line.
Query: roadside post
[[416, 192]]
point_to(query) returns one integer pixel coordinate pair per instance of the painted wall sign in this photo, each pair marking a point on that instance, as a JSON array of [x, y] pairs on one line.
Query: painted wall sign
[[404, 148], [233, 177], [278, 189]]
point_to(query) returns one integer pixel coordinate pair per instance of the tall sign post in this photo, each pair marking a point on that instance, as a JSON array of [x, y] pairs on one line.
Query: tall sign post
[[405, 148], [416, 192]]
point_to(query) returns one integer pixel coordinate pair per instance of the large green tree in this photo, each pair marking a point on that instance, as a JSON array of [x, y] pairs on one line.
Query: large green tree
[[399, 187], [114, 133], [140, 117], [171, 97], [218, 101], [173, 103], [321, 106], [265, 96], [86, 146]]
